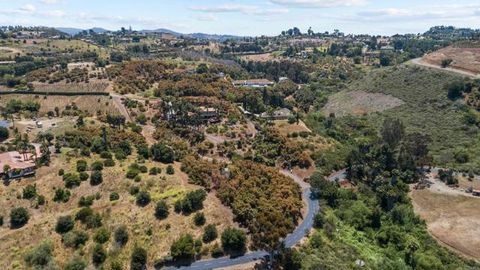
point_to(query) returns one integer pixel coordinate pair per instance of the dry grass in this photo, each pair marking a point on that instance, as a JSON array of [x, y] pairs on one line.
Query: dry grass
[[359, 103], [264, 57], [91, 104], [285, 128], [93, 86], [139, 220], [466, 59], [452, 220]]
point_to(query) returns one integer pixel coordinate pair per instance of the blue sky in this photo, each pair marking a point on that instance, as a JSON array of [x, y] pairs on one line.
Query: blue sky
[[246, 17]]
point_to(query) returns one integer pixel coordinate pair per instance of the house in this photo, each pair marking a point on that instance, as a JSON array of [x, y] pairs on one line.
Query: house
[[253, 83], [19, 164], [207, 112], [281, 114]]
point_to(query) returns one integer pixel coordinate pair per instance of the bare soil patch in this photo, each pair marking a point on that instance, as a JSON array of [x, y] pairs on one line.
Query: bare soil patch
[[264, 57], [466, 59], [453, 219]]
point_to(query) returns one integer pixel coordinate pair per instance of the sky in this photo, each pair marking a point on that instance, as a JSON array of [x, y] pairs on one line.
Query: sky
[[245, 17]]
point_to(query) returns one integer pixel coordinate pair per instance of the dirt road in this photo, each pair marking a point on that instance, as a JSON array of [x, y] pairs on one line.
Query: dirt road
[[420, 62]]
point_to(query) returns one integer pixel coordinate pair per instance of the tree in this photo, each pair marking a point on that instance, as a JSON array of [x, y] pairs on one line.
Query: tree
[[19, 217], [183, 248], [199, 219], [64, 224], [455, 89], [30, 192], [75, 264], [102, 235], [99, 255], [143, 198], [233, 240], [161, 152], [121, 235], [3, 133], [161, 210], [392, 132], [446, 62], [138, 261], [39, 256], [96, 178], [209, 233], [202, 68]]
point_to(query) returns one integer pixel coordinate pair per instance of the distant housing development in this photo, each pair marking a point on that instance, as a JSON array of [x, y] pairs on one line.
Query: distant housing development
[[253, 83]]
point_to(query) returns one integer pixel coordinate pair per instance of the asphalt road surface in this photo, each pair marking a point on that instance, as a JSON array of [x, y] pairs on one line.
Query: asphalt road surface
[[290, 241]]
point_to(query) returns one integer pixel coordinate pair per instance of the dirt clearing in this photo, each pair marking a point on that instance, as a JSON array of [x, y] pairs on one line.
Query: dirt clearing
[[454, 220], [360, 103]]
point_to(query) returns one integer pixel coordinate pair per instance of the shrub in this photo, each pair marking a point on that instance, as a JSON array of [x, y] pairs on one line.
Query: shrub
[[217, 251], [86, 201], [40, 200], [143, 169], [233, 240], [121, 235], [161, 210], [71, 180], [39, 256], [142, 150], [109, 163], [64, 224], [161, 152], [142, 198], [209, 233], [106, 155], [318, 221], [85, 152], [83, 176], [170, 170], [29, 192], [183, 248], [155, 171], [61, 172], [134, 190], [83, 214], [102, 235], [192, 202], [99, 255], [138, 260], [96, 178], [94, 221], [114, 196], [97, 166], [199, 219], [75, 264], [81, 165], [19, 217], [132, 173], [61, 195], [74, 239]]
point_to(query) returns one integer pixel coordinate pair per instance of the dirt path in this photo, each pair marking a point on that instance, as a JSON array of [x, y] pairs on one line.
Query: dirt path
[[420, 62], [117, 101]]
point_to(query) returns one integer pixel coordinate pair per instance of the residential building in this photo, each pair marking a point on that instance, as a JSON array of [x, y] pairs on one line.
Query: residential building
[[253, 83]]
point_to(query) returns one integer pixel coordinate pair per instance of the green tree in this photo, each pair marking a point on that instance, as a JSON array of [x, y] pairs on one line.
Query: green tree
[[64, 224], [199, 219], [183, 248], [138, 261], [3, 133], [96, 178], [40, 257], [161, 152], [233, 240], [102, 235], [76, 263], [99, 255], [19, 217], [161, 210], [209, 233], [143, 198], [121, 235]]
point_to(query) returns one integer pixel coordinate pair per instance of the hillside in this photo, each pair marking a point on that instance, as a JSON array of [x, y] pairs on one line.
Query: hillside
[[427, 108]]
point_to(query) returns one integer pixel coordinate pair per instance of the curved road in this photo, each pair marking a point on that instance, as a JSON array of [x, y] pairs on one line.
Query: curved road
[[290, 241], [420, 62]]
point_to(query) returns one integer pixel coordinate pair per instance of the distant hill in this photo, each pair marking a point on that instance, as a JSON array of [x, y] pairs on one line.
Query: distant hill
[[74, 31], [193, 35]]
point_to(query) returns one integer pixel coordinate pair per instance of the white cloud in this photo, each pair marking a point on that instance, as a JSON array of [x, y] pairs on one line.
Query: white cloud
[[206, 18], [319, 3], [50, 2], [28, 8], [244, 9]]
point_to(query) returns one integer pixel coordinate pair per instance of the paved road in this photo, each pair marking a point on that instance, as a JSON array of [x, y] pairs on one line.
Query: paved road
[[290, 241], [420, 62]]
